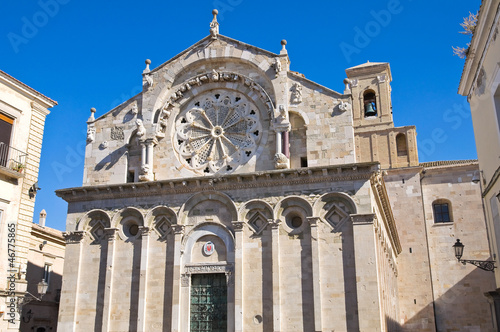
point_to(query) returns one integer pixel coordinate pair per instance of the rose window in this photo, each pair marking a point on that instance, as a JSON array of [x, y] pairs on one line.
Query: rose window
[[217, 132]]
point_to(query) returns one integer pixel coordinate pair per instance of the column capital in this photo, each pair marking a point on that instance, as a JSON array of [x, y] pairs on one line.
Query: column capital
[[313, 221], [74, 237], [238, 225], [110, 233], [360, 219], [178, 229], [275, 223], [144, 231]]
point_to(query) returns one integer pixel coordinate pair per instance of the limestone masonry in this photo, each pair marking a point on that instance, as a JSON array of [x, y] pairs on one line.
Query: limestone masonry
[[234, 194]]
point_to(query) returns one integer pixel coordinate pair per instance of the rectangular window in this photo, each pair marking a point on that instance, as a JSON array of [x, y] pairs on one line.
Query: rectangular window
[[303, 161], [46, 273], [441, 213], [5, 133]]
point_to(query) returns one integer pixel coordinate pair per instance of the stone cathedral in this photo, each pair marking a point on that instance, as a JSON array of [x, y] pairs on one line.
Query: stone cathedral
[[234, 194]]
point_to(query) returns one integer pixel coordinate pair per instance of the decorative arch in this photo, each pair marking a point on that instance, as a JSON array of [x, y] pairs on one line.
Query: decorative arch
[[95, 222], [293, 212], [128, 222], [160, 219], [256, 214], [334, 209], [195, 59], [302, 114], [204, 229], [84, 224], [183, 93], [206, 196]]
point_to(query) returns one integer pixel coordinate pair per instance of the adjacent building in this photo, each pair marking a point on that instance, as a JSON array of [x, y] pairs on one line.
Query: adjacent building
[[22, 118], [45, 262], [234, 194], [480, 82]]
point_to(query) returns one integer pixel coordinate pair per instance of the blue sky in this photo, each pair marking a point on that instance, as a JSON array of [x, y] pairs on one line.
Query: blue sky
[[91, 53]]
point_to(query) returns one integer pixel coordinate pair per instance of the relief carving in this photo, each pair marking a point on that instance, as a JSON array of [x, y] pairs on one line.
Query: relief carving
[[117, 133], [296, 93]]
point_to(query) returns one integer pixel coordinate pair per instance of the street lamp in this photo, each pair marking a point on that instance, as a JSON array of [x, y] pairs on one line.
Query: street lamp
[[42, 287], [483, 265]]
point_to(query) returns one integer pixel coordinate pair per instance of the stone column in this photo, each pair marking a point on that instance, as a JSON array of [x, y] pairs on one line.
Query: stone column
[[278, 142], [108, 290], [366, 272], [72, 281], [238, 275], [176, 289], [286, 144], [143, 279], [144, 153], [316, 273], [275, 224]]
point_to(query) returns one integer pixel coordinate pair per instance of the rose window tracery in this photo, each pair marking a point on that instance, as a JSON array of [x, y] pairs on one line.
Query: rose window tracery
[[219, 131]]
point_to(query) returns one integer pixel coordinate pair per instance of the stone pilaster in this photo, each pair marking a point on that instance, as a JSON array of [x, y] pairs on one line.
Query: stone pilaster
[[72, 281], [108, 290], [316, 272], [238, 277], [176, 289], [143, 279], [366, 273], [275, 225]]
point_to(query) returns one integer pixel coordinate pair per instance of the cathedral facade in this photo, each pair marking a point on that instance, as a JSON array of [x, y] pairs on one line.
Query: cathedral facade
[[234, 194]]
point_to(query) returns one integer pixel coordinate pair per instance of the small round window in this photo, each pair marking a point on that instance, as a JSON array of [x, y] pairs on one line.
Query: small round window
[[296, 222], [133, 230], [130, 227]]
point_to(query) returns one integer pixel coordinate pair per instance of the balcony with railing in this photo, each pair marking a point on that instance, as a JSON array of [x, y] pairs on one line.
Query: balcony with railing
[[12, 161]]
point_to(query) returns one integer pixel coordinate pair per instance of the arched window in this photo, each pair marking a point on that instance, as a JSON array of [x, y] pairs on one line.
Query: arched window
[[370, 103], [134, 159], [442, 211], [298, 141], [401, 144], [157, 116]]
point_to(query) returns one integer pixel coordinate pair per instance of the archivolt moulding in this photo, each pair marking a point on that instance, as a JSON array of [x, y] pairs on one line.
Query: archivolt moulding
[[214, 76]]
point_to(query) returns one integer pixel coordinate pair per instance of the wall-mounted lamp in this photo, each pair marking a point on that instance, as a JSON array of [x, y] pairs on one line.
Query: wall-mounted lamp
[[33, 189], [477, 177], [483, 265], [42, 245], [42, 287]]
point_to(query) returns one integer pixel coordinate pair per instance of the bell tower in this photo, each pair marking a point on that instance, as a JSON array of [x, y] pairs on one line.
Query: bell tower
[[376, 138], [370, 88]]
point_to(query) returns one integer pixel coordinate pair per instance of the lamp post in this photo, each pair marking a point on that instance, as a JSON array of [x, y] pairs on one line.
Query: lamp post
[[483, 265]]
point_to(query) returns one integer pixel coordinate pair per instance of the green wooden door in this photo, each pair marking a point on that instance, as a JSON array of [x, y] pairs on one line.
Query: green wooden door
[[208, 303]]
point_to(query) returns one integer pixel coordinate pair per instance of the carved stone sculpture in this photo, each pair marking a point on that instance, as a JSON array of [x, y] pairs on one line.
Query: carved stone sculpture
[[296, 93], [90, 134], [277, 66], [135, 109], [281, 161], [283, 112], [344, 106], [214, 25], [141, 130]]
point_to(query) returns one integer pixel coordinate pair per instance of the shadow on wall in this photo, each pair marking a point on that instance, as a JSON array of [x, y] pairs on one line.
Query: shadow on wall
[[462, 305], [41, 314]]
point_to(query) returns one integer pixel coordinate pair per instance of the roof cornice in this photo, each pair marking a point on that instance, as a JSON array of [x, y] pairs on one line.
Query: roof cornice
[[27, 90], [273, 178]]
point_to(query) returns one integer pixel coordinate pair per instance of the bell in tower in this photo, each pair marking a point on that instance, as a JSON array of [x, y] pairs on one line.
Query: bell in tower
[[370, 104]]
